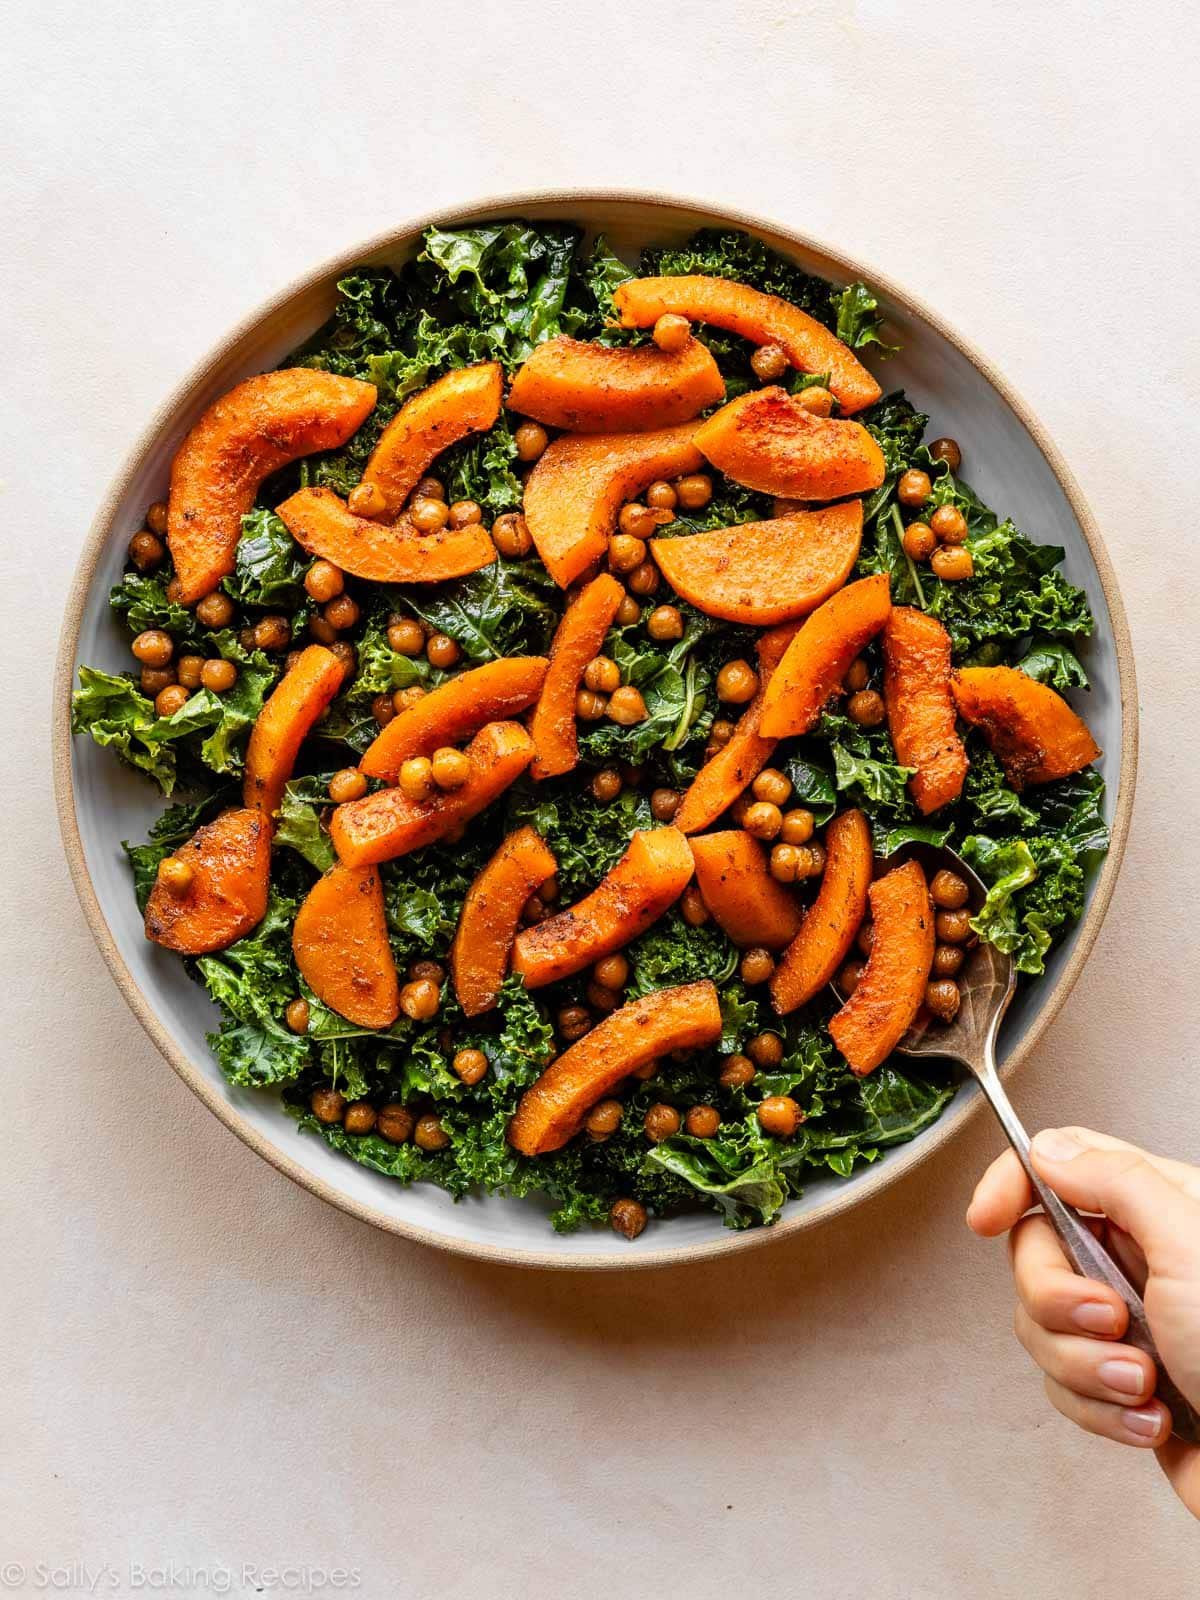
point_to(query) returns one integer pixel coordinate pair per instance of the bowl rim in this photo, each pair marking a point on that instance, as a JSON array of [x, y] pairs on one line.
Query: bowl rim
[[868, 1184]]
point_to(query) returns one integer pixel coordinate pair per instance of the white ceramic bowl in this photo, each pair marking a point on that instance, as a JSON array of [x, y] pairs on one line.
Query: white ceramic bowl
[[1011, 463]]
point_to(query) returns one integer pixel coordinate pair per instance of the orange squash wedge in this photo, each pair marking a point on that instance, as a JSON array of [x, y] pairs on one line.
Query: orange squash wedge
[[592, 388], [322, 523], [834, 918], [230, 860], [762, 318], [454, 711], [580, 482], [819, 656], [889, 994], [767, 441], [577, 640], [920, 707], [723, 777], [765, 572], [340, 941], [241, 439], [285, 721], [649, 877], [487, 924], [465, 401], [552, 1110], [386, 824], [1035, 734], [739, 891]]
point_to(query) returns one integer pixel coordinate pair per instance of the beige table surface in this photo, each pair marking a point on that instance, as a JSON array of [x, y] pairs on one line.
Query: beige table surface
[[204, 1365]]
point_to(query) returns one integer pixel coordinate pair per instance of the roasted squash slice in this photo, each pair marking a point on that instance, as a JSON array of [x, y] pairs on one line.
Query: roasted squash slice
[[832, 921], [765, 572], [739, 891], [649, 877], [552, 1110], [322, 523], [285, 721], [487, 925], [889, 994], [454, 711], [1035, 734], [819, 656], [575, 491], [592, 388], [577, 640], [465, 401], [340, 941], [920, 707], [763, 318], [230, 860], [387, 823], [769, 442], [723, 777], [241, 439]]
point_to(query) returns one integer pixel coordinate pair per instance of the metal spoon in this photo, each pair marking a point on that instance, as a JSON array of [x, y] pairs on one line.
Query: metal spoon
[[986, 983]]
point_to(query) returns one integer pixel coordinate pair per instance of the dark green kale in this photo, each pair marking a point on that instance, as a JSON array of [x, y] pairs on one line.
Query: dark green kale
[[508, 608], [269, 566], [586, 836], [252, 982]]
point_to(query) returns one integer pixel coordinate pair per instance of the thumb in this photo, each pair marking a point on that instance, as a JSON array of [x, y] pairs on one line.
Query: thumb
[[1125, 1187]]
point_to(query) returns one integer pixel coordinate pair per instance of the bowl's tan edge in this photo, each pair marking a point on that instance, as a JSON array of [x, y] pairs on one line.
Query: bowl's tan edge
[[865, 1186]]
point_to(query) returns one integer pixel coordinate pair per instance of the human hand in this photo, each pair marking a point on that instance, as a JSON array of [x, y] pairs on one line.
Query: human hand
[[1150, 1221]]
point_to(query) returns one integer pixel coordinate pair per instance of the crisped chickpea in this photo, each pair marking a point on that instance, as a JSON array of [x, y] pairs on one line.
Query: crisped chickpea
[[780, 1116]]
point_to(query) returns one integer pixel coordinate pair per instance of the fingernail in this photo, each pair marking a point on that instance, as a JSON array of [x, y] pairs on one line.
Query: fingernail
[[1126, 1377], [1056, 1144], [1144, 1424], [1093, 1316]]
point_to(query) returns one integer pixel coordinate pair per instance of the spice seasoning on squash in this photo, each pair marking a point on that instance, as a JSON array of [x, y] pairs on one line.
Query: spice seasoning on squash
[[920, 707], [768, 441], [340, 942], [285, 721], [553, 1109], [820, 654], [741, 895], [258, 427], [465, 401], [889, 993], [832, 922], [765, 572], [577, 642], [322, 523], [1034, 733], [595, 388], [648, 878], [491, 912], [226, 896]]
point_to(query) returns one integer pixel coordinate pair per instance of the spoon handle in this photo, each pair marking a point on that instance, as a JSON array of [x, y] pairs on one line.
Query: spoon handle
[[1089, 1257]]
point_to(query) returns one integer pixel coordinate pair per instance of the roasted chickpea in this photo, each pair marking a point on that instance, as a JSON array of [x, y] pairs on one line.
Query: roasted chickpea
[[947, 450], [319, 627], [737, 1072], [602, 675], [275, 632], [694, 491], [780, 1116], [756, 965], [644, 580], [665, 622], [849, 975], [785, 860], [441, 651], [864, 939], [600, 999], [366, 500], [952, 563], [450, 768], [671, 332], [531, 440], [628, 1218], [762, 820], [534, 909], [156, 517], [810, 861], [766, 1051], [415, 778], [420, 999], [470, 1066], [637, 521], [948, 891], [626, 706], [465, 514], [737, 683], [606, 785], [215, 610], [914, 487], [360, 1117], [395, 1123], [323, 581], [769, 363], [953, 927], [866, 708], [218, 675], [405, 636], [628, 612], [692, 908], [604, 1119], [702, 1122], [858, 676], [382, 709], [427, 969], [346, 654], [403, 699], [816, 400], [590, 707], [943, 999], [949, 524], [246, 638], [188, 670], [429, 1133], [574, 1022], [328, 1105], [661, 1122], [662, 496], [721, 732], [948, 960], [511, 536], [176, 875], [153, 648], [550, 890], [772, 785], [664, 803], [625, 553], [348, 784], [612, 972], [919, 541], [429, 488], [170, 700], [631, 776], [341, 613], [428, 516], [740, 807], [146, 552]]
